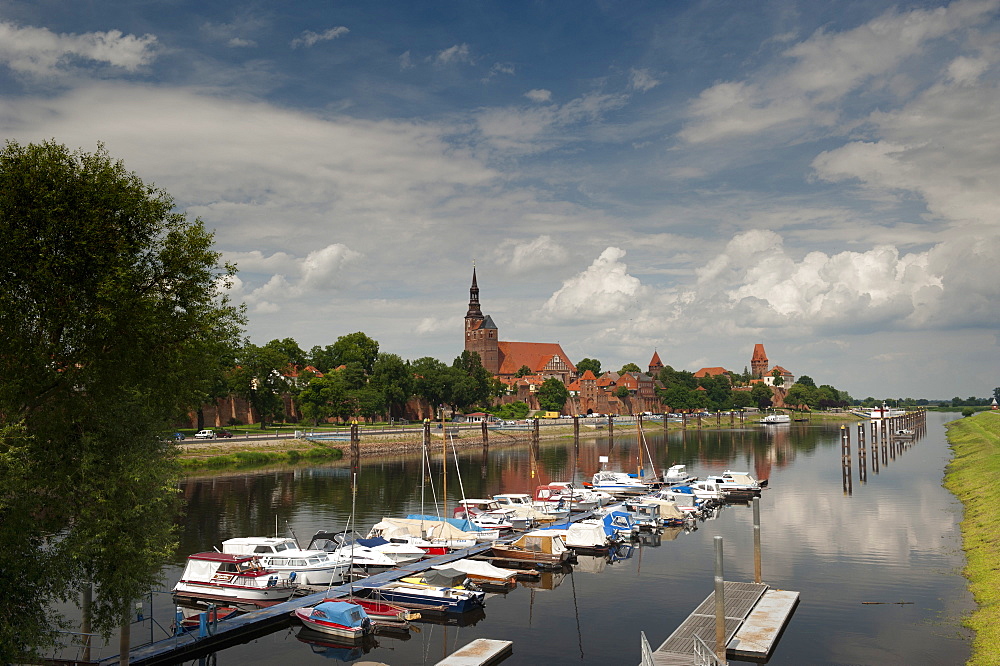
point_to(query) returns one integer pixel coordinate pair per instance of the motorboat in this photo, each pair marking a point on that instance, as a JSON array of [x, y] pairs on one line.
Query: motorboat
[[677, 474], [482, 534], [304, 567], [430, 598], [589, 535], [229, 577], [485, 513], [739, 481], [519, 505], [645, 514], [539, 546], [337, 618], [551, 501], [618, 482], [483, 574], [703, 490], [350, 546], [578, 499], [776, 419], [434, 537]]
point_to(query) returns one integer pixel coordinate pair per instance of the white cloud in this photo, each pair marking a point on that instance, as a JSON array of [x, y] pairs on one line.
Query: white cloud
[[823, 69], [604, 289], [539, 95], [41, 52], [457, 53], [309, 38], [523, 257], [642, 80]]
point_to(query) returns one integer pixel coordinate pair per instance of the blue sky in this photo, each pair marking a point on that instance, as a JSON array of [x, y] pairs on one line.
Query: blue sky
[[689, 177]]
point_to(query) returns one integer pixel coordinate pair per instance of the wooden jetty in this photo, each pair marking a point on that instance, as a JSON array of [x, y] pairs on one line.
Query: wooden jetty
[[755, 616], [259, 622], [480, 652]]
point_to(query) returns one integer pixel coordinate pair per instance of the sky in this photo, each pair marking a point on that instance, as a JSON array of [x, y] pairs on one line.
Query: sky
[[690, 178]]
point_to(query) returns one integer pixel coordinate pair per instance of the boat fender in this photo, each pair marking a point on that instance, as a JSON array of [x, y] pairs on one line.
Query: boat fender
[[291, 577], [272, 581]]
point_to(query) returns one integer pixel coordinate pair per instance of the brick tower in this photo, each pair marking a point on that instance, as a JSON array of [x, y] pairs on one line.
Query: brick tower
[[481, 334], [758, 363]]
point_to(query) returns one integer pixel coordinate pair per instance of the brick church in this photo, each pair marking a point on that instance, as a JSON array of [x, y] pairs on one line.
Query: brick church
[[504, 359]]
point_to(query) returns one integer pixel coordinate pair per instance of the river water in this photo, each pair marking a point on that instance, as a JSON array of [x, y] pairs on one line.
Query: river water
[[890, 539]]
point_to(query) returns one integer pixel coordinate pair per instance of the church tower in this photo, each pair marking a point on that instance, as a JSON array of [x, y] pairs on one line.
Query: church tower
[[655, 364], [758, 362], [481, 334]]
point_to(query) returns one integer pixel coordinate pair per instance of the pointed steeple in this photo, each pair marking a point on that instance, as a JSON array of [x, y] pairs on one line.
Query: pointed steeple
[[474, 310]]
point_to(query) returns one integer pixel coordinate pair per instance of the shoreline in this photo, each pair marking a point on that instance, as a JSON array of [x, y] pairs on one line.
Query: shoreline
[[975, 441]]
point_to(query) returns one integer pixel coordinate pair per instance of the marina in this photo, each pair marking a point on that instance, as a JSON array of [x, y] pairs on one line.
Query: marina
[[554, 616]]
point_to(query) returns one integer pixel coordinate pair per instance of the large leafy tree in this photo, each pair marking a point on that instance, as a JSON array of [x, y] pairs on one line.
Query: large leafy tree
[[355, 348], [393, 379], [258, 379], [472, 383], [591, 364], [552, 395], [111, 310], [629, 367]]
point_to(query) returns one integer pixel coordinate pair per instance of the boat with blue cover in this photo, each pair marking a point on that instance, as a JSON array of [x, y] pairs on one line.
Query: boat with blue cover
[[337, 618]]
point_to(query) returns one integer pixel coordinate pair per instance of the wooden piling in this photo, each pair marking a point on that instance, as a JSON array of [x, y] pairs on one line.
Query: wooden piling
[[756, 540], [720, 603]]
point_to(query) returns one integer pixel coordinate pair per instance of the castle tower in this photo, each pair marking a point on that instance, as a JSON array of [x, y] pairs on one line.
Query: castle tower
[[758, 362], [655, 364], [481, 334]]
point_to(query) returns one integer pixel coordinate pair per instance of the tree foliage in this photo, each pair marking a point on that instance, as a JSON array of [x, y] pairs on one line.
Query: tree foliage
[[591, 364], [552, 395], [111, 320], [629, 367]]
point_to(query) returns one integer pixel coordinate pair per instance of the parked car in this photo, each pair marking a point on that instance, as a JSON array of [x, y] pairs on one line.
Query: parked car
[[178, 436], [224, 433], [205, 434]]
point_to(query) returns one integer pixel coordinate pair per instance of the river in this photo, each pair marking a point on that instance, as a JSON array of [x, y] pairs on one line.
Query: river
[[877, 562]]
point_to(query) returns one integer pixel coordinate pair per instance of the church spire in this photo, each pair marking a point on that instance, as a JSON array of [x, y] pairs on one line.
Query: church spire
[[474, 309]]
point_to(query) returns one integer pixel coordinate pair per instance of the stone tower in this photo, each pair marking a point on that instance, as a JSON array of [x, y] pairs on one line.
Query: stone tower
[[655, 364], [758, 363], [481, 334]]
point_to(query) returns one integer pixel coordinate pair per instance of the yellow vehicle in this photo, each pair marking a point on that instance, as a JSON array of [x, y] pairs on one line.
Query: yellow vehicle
[[550, 415]]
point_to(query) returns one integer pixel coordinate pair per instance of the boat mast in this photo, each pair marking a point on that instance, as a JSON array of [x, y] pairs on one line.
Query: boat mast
[[444, 466]]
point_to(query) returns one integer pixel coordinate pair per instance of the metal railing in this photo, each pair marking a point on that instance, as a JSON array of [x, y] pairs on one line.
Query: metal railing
[[704, 655]]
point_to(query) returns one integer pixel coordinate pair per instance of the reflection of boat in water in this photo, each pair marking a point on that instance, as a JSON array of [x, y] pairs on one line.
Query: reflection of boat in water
[[467, 619], [904, 434], [333, 647], [549, 580]]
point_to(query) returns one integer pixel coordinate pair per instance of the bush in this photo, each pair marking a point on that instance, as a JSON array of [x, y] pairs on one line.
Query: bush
[[968, 411]]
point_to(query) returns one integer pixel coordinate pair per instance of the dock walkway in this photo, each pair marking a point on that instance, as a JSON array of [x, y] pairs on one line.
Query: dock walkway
[[755, 615]]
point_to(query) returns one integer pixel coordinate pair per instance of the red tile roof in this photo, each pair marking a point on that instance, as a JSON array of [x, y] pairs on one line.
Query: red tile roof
[[535, 355], [704, 372]]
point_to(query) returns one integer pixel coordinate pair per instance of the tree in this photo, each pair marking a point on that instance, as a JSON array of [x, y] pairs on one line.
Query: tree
[[591, 364], [670, 377], [290, 351], [996, 393], [392, 377], [431, 381], [552, 395], [471, 380], [355, 348], [257, 379], [778, 379], [112, 306], [523, 371], [629, 367], [761, 395], [806, 380]]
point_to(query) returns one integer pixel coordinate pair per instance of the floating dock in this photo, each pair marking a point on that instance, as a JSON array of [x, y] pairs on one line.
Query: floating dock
[[755, 616], [480, 652]]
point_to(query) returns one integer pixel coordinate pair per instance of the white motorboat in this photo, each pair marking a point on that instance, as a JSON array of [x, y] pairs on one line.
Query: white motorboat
[[303, 567], [229, 577], [349, 546], [776, 419], [618, 482], [677, 474], [525, 516], [580, 499], [739, 481], [485, 513]]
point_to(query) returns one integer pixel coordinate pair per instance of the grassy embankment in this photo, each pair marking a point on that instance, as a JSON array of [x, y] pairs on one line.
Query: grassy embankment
[[972, 476], [290, 452]]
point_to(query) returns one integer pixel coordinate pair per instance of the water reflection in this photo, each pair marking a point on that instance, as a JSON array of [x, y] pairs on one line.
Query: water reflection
[[892, 538]]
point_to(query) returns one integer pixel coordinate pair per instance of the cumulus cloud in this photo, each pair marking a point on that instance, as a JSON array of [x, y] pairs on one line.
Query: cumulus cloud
[[309, 38], [322, 270], [524, 256], [604, 289], [41, 52]]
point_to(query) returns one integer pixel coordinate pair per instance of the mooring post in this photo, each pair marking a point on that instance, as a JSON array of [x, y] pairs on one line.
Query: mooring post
[[756, 540], [699, 420], [486, 436], [684, 420], [534, 433], [720, 603], [611, 430], [576, 430]]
